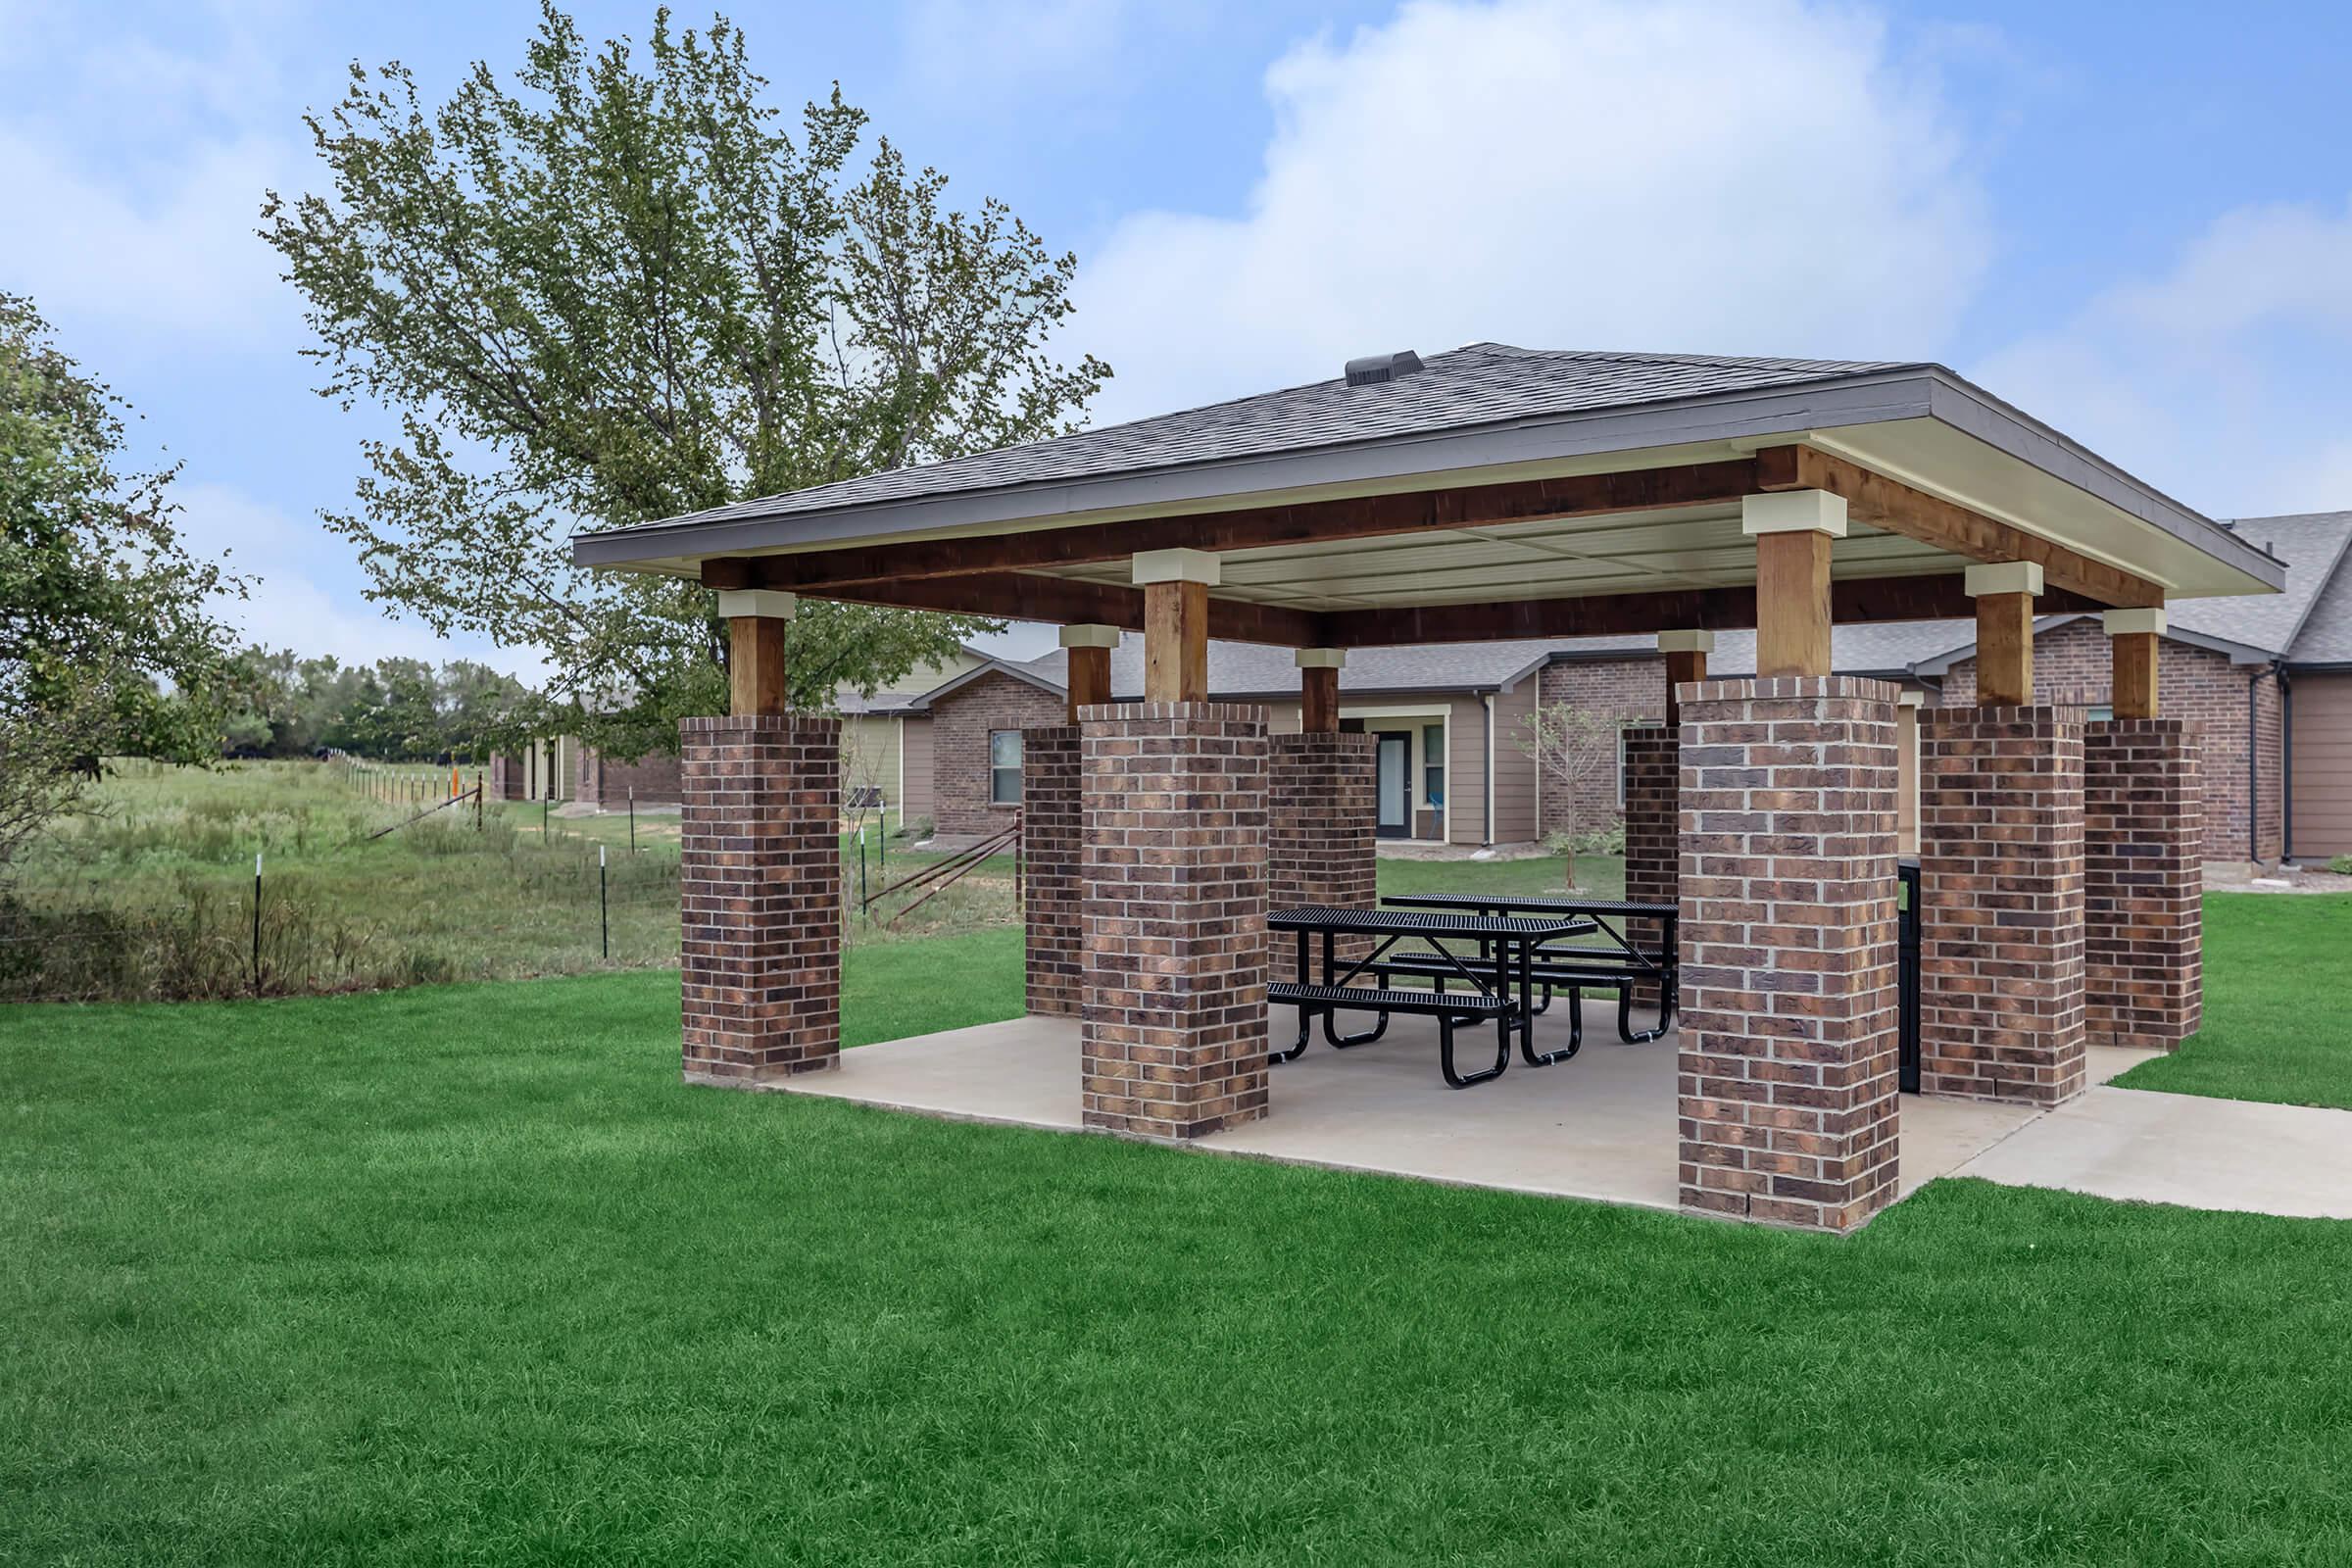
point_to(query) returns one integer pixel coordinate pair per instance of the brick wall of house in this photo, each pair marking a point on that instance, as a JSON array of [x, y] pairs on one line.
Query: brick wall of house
[[1633, 687], [961, 723], [2073, 669], [605, 782]]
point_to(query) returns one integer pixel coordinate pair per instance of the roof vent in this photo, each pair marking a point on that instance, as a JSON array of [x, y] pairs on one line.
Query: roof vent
[[1374, 369]]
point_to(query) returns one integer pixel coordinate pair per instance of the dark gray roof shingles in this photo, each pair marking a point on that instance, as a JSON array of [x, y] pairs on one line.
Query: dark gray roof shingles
[[1484, 383]]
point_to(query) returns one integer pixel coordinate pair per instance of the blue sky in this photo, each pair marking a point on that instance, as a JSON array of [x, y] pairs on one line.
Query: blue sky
[[2135, 222]]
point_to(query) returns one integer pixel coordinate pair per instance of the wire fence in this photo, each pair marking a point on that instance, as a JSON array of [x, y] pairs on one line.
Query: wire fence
[[307, 877]]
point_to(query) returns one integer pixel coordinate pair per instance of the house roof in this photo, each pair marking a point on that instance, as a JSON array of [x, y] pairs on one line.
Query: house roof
[[2311, 544], [2326, 638]]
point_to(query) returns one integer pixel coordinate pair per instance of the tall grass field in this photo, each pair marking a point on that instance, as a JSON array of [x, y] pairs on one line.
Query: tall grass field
[[149, 893]]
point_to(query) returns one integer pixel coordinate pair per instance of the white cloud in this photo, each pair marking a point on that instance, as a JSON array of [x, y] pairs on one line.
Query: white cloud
[[2220, 378], [287, 607], [133, 176], [1702, 175]]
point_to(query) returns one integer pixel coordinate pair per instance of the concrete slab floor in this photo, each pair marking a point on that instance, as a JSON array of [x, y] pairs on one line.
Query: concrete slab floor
[[1600, 1126]]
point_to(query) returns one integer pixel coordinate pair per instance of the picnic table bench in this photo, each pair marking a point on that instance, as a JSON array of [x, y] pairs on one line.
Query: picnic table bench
[[1620, 966], [1499, 983]]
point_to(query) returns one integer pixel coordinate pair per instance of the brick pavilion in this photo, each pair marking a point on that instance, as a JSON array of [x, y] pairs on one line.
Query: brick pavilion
[[1494, 492]]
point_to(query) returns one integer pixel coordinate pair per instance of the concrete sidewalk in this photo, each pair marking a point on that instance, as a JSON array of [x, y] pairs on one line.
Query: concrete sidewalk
[[2231, 1154]]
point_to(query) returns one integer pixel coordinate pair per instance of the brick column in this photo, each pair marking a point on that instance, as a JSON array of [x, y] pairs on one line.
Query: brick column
[[1653, 827], [1322, 817], [1174, 866], [2000, 861], [1787, 1043], [2143, 882], [1051, 893], [759, 890]]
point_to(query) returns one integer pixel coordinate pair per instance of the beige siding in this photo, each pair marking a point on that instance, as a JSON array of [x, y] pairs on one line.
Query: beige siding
[[870, 758], [1466, 771], [914, 745], [2322, 766], [1514, 769]]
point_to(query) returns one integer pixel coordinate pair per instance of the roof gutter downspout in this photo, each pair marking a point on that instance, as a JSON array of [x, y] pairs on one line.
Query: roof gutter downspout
[[2286, 762], [1488, 702]]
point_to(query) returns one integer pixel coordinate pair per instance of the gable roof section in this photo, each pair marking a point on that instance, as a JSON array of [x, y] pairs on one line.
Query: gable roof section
[[2324, 640], [1013, 667], [2311, 544]]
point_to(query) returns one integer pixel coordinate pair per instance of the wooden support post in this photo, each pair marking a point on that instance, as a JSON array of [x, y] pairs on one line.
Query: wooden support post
[[1089, 647], [757, 619], [1176, 585], [1319, 689], [2004, 595], [1686, 662], [1793, 531], [2132, 637]]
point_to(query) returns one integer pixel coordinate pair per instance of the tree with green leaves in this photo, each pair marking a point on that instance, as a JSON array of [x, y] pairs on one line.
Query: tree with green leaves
[[108, 641], [622, 290]]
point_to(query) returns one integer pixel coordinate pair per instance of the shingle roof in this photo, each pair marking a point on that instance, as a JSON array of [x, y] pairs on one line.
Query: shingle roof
[[2311, 544], [1484, 383], [2327, 634]]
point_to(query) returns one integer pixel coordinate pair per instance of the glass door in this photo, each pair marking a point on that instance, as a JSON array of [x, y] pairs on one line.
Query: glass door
[[1395, 772]]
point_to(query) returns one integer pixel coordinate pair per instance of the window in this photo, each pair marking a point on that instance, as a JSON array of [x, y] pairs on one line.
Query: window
[[1432, 764], [1005, 767], [2099, 713]]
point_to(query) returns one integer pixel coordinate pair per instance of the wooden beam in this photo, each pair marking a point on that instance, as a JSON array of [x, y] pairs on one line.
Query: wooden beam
[[1319, 699], [1853, 601], [2134, 689], [1257, 527], [1793, 603], [756, 683], [1176, 642], [1024, 596], [1898, 508], [1089, 678], [2004, 650]]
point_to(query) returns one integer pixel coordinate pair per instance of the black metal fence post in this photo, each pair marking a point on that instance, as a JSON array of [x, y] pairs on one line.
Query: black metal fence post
[[861, 903], [604, 902], [632, 819], [256, 922]]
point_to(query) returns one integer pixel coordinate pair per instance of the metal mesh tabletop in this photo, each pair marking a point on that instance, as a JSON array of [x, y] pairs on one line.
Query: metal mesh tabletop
[[1567, 907], [1406, 922]]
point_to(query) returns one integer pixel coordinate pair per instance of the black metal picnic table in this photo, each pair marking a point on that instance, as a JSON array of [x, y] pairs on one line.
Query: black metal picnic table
[[1500, 988], [1619, 966]]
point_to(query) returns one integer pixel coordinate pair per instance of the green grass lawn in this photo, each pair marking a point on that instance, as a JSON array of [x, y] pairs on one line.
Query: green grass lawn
[[2277, 1008], [463, 1274]]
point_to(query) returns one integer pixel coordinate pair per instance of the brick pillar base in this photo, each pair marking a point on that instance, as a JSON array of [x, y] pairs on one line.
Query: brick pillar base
[[1653, 831], [1789, 1045], [1051, 897], [1174, 866], [2143, 882], [1322, 819], [760, 890], [2000, 867]]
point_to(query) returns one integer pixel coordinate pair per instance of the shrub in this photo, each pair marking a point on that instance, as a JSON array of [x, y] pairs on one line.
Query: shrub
[[2341, 865]]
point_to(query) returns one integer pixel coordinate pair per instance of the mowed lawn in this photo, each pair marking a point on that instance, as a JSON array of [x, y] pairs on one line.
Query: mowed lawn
[[464, 1275], [2278, 1005]]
